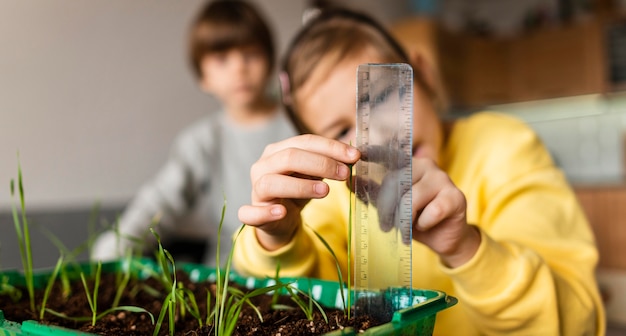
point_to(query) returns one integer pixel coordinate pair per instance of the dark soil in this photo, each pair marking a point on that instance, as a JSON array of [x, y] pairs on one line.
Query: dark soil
[[275, 322]]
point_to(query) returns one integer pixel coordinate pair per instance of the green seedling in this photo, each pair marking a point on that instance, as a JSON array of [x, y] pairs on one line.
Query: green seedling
[[223, 319], [228, 300], [51, 281], [7, 289], [276, 294], [23, 237], [132, 309], [92, 299], [69, 256], [121, 280], [233, 306], [163, 259], [349, 252], [347, 301], [294, 293], [66, 287], [346, 305], [169, 307], [308, 306], [178, 297]]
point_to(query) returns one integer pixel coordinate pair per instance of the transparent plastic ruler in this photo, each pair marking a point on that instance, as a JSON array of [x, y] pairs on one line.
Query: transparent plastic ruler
[[383, 179]]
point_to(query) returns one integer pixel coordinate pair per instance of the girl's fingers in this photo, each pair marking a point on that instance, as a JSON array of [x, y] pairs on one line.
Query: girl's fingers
[[448, 203], [317, 144], [260, 215], [435, 197], [300, 162], [276, 186]]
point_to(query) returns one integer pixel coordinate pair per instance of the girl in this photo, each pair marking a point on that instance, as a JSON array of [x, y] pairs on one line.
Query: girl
[[494, 221]]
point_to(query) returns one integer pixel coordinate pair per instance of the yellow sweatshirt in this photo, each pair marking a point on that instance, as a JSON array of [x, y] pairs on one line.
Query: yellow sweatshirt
[[533, 273]]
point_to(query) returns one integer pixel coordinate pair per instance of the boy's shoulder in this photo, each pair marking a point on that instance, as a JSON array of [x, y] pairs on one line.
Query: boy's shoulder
[[200, 133], [202, 124]]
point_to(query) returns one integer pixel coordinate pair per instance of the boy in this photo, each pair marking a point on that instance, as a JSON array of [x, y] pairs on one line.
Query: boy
[[231, 53]]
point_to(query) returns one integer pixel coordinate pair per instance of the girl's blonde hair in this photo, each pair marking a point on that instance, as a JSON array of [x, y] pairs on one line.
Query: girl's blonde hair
[[333, 36]]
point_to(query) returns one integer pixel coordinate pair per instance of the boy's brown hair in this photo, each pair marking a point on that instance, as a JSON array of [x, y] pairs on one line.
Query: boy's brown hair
[[334, 35], [225, 24]]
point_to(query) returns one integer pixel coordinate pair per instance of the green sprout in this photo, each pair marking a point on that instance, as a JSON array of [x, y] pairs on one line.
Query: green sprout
[[339, 273], [295, 294], [308, 306], [51, 281], [229, 301], [350, 225], [7, 289], [121, 281], [92, 299], [23, 237], [178, 297]]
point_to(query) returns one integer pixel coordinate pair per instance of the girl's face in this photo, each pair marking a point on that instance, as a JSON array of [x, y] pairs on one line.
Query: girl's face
[[326, 104]]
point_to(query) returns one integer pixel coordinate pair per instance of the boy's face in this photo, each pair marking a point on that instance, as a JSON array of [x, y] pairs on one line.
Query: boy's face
[[237, 76], [326, 106]]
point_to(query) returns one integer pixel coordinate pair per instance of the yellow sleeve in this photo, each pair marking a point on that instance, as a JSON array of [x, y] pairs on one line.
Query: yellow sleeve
[[534, 271], [306, 255]]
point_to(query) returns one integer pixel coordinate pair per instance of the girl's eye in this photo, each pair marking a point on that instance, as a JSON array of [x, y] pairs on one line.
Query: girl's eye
[[344, 132]]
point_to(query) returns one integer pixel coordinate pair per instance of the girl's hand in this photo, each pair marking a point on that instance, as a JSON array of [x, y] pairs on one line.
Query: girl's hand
[[439, 215], [289, 174]]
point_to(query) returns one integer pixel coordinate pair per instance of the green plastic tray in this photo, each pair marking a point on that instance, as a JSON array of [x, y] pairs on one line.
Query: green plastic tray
[[419, 319]]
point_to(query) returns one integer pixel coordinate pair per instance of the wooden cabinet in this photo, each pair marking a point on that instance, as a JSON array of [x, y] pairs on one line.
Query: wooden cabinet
[[487, 73], [605, 208], [554, 62], [558, 62]]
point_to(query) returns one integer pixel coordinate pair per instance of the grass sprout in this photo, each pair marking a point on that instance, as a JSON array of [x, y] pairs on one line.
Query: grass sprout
[[295, 294], [178, 297], [23, 237], [229, 301], [349, 252], [51, 280], [121, 281], [346, 302], [7, 289], [93, 298], [132, 309], [309, 305]]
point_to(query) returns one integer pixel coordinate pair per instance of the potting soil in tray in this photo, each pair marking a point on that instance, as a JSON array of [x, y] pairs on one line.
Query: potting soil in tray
[[416, 320]]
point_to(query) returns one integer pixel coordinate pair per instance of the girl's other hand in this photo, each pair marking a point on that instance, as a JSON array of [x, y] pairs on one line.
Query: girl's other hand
[[288, 175], [439, 215]]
